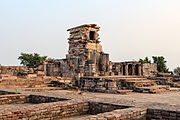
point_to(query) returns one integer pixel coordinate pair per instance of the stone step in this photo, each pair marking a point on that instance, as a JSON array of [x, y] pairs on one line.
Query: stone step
[[158, 91], [23, 83], [124, 91], [152, 89], [112, 77], [175, 84], [134, 84], [133, 79], [174, 89], [176, 79], [141, 81]]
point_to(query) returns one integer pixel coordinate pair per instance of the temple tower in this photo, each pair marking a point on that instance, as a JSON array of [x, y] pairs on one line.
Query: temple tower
[[85, 52], [82, 38]]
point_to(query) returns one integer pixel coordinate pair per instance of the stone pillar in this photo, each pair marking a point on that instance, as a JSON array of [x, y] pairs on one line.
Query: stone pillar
[[90, 69], [133, 69], [44, 67], [139, 70], [126, 69]]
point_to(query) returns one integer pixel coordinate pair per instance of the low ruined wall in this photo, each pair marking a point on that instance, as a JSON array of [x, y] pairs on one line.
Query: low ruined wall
[[96, 108], [31, 81], [13, 99], [158, 114], [12, 70], [24, 82], [42, 89], [36, 99], [33, 99], [119, 114], [53, 112]]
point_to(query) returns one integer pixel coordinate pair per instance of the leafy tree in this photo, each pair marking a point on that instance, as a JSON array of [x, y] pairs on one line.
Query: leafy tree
[[31, 60], [161, 64], [177, 71], [146, 60]]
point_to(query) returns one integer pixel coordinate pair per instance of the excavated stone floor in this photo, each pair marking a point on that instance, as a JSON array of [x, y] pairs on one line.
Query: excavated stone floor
[[164, 101]]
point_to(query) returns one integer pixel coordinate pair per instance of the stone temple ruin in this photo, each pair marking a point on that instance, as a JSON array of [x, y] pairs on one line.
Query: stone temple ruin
[[86, 85], [86, 62], [86, 58]]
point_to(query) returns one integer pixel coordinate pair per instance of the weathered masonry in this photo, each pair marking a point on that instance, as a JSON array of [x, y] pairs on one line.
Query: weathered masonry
[[86, 58]]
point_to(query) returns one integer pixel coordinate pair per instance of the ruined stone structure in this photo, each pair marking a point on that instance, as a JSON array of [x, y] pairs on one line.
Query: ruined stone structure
[[86, 58], [39, 93]]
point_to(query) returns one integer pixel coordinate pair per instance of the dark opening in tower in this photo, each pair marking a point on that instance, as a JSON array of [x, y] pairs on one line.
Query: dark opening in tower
[[92, 35]]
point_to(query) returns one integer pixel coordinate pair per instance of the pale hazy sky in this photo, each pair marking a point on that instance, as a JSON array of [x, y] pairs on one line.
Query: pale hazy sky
[[130, 29]]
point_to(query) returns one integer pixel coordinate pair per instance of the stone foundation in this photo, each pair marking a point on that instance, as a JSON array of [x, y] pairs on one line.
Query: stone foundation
[[33, 99], [158, 114], [120, 84]]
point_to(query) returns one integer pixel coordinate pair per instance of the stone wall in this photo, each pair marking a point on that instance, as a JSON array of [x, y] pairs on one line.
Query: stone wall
[[100, 85], [120, 114], [13, 99], [33, 99], [25, 82], [36, 99], [159, 114], [96, 108], [149, 69], [12, 70], [53, 112]]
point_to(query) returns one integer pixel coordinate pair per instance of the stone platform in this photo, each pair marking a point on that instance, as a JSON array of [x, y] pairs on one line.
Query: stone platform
[[113, 84]]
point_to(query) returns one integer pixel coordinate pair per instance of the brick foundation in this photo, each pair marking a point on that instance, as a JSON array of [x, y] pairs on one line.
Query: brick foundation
[[162, 114], [33, 99]]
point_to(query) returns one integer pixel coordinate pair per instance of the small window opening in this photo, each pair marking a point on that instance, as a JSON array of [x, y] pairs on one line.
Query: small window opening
[[92, 35]]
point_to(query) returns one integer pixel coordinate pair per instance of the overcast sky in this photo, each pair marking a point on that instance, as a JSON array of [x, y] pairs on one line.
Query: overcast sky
[[130, 29]]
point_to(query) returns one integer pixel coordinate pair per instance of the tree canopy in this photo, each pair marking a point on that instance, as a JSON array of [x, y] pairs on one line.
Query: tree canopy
[[31, 60], [161, 64], [177, 71], [146, 60]]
